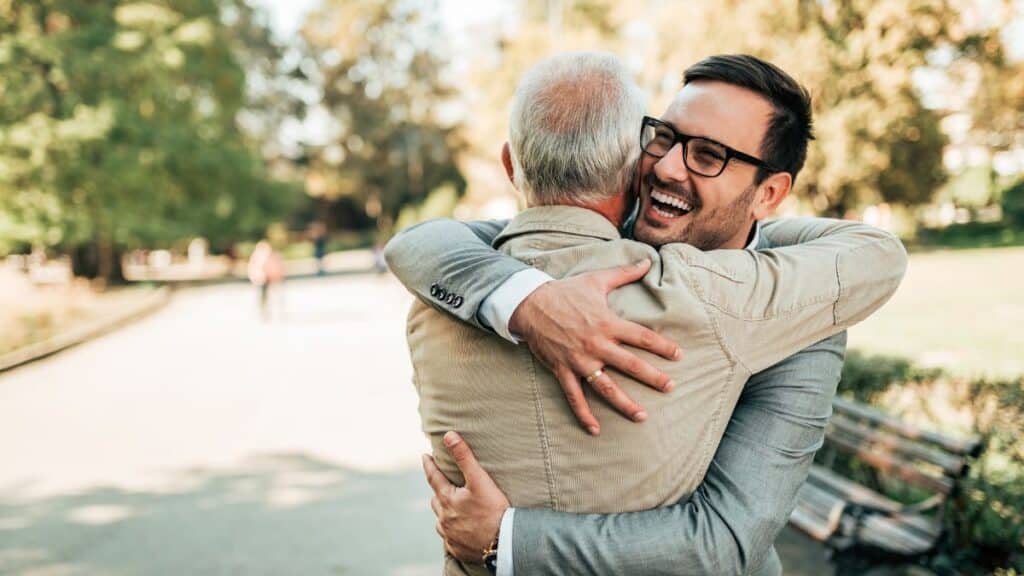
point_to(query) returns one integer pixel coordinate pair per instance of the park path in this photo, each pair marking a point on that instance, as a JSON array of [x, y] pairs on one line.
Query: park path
[[202, 440]]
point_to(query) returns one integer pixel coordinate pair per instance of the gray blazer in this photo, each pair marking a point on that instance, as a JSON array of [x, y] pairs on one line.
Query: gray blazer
[[729, 524]]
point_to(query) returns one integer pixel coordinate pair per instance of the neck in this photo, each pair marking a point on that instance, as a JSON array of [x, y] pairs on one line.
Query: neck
[[741, 239]]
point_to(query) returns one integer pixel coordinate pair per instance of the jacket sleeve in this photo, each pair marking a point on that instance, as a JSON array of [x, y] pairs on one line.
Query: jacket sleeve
[[729, 524], [444, 257], [769, 304]]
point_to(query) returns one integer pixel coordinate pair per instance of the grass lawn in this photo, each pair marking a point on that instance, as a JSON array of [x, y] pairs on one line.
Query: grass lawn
[[30, 314], [962, 310]]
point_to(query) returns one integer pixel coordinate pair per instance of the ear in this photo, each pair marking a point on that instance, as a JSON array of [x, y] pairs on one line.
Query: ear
[[506, 161], [773, 191]]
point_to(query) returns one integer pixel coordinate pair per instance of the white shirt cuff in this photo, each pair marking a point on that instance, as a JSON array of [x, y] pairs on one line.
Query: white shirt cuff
[[496, 310], [505, 567]]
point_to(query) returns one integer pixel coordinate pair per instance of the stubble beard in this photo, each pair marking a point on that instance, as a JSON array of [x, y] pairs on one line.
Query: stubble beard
[[713, 229]]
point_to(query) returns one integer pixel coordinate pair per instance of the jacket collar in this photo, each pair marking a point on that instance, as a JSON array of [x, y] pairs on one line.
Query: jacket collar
[[582, 222], [562, 219], [758, 241]]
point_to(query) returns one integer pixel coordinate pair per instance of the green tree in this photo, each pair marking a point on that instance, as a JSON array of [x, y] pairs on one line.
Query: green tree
[[385, 144], [118, 128], [494, 67], [997, 104]]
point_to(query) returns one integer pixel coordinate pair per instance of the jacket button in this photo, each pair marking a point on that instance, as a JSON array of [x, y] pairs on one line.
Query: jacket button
[[458, 302], [442, 294], [433, 290], [450, 299]]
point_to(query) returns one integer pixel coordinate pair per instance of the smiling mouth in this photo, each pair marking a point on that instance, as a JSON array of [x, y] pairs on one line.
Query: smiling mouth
[[669, 206]]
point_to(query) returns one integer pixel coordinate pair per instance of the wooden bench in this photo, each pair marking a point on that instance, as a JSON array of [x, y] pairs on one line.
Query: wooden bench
[[860, 525]]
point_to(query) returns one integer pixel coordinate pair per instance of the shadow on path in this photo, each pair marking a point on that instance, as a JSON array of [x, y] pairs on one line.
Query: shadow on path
[[278, 514]]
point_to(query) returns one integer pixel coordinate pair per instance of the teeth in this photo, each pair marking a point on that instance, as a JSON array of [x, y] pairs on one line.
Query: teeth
[[670, 200]]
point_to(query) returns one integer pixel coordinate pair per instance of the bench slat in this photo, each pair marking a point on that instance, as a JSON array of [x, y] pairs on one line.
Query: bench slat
[[855, 493], [896, 534], [818, 512], [849, 490], [888, 464], [882, 441], [810, 524], [970, 446], [901, 533]]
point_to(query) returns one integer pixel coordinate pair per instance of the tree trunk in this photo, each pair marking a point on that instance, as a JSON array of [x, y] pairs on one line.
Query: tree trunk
[[97, 260], [110, 269], [84, 260]]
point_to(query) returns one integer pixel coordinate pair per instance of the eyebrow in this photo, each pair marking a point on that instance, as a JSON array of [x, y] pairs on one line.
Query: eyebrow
[[715, 140]]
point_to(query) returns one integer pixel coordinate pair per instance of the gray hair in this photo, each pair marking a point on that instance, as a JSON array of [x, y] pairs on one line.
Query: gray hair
[[575, 129]]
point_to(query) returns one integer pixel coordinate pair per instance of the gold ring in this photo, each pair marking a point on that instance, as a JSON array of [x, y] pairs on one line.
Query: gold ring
[[594, 376]]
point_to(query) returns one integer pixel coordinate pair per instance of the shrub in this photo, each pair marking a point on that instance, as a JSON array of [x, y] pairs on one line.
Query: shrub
[[1013, 204], [991, 524], [866, 377], [971, 235]]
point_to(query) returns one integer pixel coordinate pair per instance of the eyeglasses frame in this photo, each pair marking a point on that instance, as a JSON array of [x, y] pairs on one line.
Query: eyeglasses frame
[[684, 139]]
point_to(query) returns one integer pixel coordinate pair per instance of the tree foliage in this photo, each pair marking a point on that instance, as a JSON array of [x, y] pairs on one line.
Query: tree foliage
[[141, 123], [118, 126], [998, 105], [381, 74]]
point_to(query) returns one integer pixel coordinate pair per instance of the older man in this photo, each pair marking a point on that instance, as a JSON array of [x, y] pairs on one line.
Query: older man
[[739, 312]]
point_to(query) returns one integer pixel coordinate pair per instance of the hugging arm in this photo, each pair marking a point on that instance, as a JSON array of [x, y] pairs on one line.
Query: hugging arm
[[768, 304], [729, 524], [488, 286], [456, 257]]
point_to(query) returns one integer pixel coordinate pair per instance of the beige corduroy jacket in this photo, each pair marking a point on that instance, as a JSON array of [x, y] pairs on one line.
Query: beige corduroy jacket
[[733, 312]]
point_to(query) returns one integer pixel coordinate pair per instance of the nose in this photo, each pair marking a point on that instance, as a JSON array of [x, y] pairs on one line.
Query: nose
[[671, 167]]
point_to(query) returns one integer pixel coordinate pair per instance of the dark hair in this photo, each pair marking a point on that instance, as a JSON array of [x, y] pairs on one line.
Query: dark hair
[[784, 145]]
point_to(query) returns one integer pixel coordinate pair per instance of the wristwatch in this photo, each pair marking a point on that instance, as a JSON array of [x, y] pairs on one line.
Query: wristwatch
[[491, 556]]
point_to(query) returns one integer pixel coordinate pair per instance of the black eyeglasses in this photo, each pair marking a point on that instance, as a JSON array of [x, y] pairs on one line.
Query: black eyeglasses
[[701, 156]]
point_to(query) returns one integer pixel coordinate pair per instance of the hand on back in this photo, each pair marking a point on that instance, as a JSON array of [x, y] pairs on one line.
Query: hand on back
[[569, 327], [468, 516]]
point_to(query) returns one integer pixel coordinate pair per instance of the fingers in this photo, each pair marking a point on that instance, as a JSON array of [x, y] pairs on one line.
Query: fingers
[[451, 550], [624, 361], [644, 338], [577, 401], [610, 391], [435, 505], [465, 460], [437, 480], [615, 277]]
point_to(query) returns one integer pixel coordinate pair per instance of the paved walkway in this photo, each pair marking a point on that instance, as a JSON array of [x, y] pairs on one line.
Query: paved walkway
[[202, 440]]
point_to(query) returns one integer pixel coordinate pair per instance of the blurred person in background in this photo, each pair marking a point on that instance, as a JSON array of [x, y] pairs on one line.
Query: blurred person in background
[[266, 272], [319, 234]]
